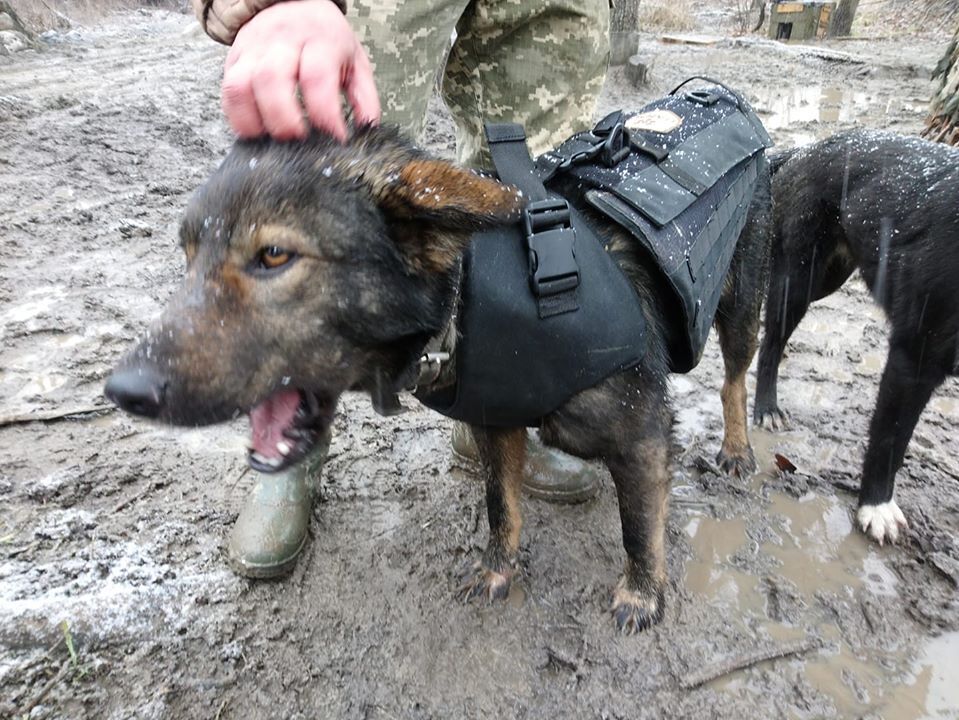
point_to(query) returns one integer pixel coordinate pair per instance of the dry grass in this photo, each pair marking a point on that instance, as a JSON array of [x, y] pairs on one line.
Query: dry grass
[[906, 17], [666, 15], [40, 15]]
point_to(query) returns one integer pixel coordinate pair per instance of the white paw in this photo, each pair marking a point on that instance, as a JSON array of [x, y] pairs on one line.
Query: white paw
[[882, 522]]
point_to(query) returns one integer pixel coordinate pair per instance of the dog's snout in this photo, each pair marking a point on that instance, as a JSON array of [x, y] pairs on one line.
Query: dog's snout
[[138, 390]]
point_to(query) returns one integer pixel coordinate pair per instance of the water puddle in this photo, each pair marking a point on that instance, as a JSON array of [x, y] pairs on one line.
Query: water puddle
[[202, 441], [40, 385], [945, 405], [933, 691], [871, 364], [33, 303], [782, 108], [709, 573], [817, 550]]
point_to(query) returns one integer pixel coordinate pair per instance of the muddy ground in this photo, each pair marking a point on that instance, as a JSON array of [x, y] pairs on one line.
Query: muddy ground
[[115, 598]]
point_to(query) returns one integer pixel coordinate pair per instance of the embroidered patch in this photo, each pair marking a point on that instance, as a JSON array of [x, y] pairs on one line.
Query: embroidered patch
[[660, 121]]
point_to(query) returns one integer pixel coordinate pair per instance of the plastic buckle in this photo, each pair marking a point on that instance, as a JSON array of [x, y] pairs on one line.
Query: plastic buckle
[[615, 148], [703, 97], [551, 241]]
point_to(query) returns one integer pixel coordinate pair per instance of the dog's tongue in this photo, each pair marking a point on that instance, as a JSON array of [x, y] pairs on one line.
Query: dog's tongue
[[270, 418]]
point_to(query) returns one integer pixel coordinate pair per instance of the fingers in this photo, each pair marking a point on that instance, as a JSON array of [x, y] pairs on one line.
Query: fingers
[[320, 75], [361, 89], [274, 87], [305, 44], [238, 100]]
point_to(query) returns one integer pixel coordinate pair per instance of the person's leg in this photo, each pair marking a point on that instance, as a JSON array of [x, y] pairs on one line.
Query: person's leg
[[540, 63], [271, 530], [407, 41]]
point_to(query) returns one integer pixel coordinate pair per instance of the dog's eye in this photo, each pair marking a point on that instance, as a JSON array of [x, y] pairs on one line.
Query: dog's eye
[[273, 257]]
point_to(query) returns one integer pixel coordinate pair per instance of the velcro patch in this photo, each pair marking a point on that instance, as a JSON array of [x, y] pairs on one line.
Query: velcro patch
[[660, 121]]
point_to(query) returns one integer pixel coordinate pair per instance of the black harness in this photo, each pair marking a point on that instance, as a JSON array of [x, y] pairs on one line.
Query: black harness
[[546, 312]]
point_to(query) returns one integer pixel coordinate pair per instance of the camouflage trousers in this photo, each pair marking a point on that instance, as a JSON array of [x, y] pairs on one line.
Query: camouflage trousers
[[540, 63]]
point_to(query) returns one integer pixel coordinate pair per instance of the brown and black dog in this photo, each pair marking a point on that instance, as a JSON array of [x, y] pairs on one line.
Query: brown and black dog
[[314, 268]]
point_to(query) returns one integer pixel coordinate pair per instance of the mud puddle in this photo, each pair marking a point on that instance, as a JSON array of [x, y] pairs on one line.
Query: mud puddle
[[816, 551], [808, 113], [781, 107], [768, 572]]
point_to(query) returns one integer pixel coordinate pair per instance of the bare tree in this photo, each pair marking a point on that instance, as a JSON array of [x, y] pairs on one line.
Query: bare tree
[[623, 31], [841, 23], [18, 24], [942, 125], [750, 15], [761, 5]]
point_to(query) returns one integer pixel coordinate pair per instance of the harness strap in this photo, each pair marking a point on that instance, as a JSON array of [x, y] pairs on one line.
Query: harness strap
[[547, 223]]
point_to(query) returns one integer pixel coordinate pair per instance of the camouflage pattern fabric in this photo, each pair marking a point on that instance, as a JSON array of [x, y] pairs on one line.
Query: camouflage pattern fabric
[[537, 62], [222, 19]]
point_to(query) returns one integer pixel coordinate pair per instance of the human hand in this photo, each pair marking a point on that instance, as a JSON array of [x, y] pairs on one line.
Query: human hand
[[305, 43]]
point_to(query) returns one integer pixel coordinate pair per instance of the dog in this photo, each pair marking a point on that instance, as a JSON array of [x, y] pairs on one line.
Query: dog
[[314, 268], [884, 204]]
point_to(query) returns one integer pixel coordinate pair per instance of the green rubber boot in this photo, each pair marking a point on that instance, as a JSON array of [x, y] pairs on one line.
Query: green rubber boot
[[549, 474], [273, 525]]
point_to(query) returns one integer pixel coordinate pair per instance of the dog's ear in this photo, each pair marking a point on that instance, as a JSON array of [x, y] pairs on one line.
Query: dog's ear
[[438, 192], [434, 206]]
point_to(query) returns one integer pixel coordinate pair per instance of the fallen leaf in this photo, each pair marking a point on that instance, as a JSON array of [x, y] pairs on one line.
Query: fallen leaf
[[784, 464]]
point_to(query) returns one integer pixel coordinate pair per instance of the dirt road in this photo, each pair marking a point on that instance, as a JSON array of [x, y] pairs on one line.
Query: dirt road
[[116, 602]]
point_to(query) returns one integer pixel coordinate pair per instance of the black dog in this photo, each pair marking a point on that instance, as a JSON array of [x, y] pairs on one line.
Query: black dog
[[889, 206], [315, 268]]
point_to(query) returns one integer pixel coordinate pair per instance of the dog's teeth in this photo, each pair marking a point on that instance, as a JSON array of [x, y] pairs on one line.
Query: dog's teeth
[[283, 447], [297, 434], [272, 462]]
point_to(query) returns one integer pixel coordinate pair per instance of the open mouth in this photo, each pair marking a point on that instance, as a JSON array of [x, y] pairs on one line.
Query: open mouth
[[285, 427]]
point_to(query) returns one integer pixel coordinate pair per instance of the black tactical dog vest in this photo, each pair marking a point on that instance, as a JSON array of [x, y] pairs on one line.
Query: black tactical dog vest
[[683, 191], [546, 313]]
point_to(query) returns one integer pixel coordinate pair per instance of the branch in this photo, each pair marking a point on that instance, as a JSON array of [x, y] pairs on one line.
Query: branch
[[741, 662]]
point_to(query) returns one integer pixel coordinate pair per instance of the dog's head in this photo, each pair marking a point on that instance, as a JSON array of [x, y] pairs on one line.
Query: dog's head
[[312, 268]]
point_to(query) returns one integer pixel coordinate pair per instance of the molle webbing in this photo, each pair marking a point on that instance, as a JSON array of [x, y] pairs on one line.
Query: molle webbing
[[684, 194]]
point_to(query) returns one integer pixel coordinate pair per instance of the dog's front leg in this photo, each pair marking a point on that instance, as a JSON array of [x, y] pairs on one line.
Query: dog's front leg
[[503, 455], [907, 384], [641, 475]]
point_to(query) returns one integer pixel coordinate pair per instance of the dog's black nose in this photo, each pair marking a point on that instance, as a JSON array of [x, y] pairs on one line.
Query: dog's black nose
[[138, 390]]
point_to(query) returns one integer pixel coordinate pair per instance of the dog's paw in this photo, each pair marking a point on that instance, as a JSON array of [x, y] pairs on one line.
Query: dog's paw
[[634, 611], [881, 522], [481, 583], [773, 419], [738, 464]]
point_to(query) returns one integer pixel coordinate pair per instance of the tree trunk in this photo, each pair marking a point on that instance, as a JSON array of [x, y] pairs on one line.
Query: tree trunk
[[623, 31], [758, 7], [18, 24], [942, 125], [841, 23]]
